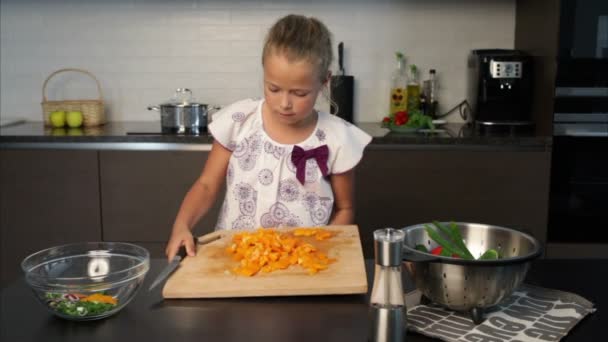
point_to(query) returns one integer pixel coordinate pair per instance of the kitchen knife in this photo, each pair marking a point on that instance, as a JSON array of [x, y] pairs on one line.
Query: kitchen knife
[[342, 90], [181, 254], [341, 58]]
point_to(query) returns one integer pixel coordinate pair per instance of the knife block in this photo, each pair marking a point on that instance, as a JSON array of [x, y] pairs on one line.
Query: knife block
[[341, 95]]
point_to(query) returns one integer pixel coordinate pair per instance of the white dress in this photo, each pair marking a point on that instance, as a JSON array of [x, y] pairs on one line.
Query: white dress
[[261, 185]]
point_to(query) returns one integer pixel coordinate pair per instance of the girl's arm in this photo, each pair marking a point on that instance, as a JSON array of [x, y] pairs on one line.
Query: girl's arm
[[343, 185], [198, 200]]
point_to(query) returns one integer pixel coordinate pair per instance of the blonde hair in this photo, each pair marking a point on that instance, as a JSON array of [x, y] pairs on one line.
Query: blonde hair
[[301, 38]]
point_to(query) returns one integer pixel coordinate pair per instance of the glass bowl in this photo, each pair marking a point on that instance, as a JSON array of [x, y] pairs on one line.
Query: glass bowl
[[88, 280]]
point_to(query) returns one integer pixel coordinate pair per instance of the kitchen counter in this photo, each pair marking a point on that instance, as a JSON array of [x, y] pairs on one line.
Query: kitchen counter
[[147, 136], [315, 318]]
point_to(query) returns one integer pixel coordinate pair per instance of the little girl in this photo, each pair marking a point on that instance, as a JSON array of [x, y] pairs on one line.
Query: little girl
[[285, 163]]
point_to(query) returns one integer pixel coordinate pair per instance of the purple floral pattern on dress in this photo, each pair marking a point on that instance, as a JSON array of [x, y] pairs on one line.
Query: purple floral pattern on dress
[[320, 134], [243, 192], [244, 222], [238, 116], [268, 147], [247, 207], [241, 148], [265, 177], [319, 215], [230, 174], [246, 196], [288, 190], [310, 200], [267, 221], [247, 152], [275, 151], [326, 202], [319, 208], [293, 221], [279, 212], [247, 163], [312, 171], [290, 165], [279, 215], [255, 144]]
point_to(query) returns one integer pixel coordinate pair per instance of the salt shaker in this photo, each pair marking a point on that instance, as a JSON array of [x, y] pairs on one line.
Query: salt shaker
[[387, 303]]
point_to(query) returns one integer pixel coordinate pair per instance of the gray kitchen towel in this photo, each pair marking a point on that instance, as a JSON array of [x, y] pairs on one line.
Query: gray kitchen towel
[[531, 313]]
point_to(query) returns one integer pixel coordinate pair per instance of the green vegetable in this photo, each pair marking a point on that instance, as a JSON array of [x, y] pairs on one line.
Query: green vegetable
[[448, 246], [490, 254], [453, 245], [418, 120], [421, 248], [454, 233], [451, 240], [71, 305]]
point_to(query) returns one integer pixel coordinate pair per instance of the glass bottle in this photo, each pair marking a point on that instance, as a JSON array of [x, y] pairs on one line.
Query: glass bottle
[[398, 96], [387, 302], [432, 97], [413, 90]]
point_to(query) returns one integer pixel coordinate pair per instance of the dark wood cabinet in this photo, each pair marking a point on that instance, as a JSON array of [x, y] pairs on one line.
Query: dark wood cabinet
[[141, 192], [47, 198], [397, 188], [52, 197]]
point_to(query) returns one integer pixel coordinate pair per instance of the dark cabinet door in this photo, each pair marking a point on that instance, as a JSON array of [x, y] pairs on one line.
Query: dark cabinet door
[[583, 29], [141, 192], [47, 198], [400, 188]]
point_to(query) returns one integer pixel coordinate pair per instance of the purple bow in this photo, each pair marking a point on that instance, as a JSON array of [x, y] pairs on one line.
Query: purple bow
[[299, 157]]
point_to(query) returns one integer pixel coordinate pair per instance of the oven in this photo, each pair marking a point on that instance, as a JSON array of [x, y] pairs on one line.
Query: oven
[[578, 206]]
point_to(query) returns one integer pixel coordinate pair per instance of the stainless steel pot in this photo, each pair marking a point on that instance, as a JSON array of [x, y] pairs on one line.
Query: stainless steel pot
[[182, 115], [470, 285]]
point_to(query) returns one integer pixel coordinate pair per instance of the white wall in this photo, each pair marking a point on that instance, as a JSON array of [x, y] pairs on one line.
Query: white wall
[[141, 50]]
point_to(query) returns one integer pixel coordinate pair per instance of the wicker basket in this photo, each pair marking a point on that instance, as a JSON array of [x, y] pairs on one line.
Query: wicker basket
[[92, 110]]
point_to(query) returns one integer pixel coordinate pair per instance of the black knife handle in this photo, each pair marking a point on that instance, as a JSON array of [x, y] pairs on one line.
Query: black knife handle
[[341, 57], [182, 252]]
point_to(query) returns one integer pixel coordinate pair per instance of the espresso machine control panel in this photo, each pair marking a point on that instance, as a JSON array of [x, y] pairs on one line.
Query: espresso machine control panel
[[505, 69]]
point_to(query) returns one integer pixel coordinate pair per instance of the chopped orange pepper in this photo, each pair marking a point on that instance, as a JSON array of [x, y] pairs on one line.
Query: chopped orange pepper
[[267, 250], [100, 298]]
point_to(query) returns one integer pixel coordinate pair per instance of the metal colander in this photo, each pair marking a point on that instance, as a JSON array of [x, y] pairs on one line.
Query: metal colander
[[470, 285]]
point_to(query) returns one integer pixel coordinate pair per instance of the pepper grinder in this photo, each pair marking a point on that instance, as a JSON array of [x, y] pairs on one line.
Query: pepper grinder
[[387, 303]]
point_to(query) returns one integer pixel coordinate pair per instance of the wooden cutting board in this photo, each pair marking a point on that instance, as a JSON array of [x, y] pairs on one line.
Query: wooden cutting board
[[208, 274]]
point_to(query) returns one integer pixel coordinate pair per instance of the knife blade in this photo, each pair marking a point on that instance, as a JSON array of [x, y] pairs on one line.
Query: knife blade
[[181, 254], [169, 268]]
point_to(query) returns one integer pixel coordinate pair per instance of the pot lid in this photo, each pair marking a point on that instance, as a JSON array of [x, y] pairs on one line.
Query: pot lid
[[182, 98]]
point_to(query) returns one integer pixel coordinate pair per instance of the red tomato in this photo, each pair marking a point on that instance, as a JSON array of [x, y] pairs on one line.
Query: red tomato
[[399, 122], [437, 250], [386, 119], [402, 115]]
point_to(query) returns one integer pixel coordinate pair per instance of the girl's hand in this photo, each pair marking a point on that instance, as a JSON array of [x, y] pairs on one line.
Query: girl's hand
[[180, 237]]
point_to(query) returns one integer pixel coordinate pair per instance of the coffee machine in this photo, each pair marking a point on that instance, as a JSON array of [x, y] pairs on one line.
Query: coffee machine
[[500, 86]]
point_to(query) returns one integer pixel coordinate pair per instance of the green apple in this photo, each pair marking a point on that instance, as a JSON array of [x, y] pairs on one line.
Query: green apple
[[74, 119], [75, 132], [57, 118], [58, 132]]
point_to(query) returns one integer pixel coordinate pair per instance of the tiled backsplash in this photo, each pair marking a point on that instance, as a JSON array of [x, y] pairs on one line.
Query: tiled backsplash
[[141, 50]]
